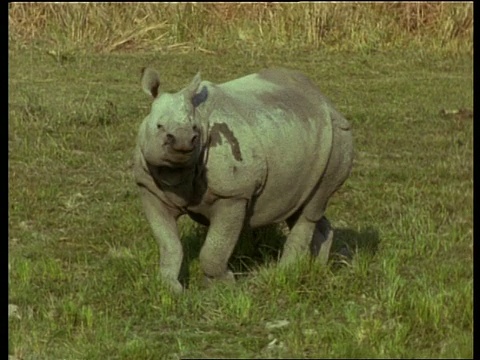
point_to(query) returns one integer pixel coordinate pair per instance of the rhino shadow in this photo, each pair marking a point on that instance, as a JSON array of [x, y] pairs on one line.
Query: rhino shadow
[[348, 242], [258, 247]]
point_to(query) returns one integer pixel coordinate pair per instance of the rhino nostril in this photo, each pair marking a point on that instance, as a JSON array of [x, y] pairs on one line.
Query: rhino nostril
[[194, 138], [170, 139]]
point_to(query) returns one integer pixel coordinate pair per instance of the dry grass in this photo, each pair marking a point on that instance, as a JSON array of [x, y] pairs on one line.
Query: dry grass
[[107, 27]]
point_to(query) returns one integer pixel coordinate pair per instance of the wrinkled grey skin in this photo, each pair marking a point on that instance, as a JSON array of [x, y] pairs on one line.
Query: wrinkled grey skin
[[262, 149]]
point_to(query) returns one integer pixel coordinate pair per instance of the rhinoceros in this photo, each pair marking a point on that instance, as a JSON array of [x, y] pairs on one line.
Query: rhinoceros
[[258, 150]]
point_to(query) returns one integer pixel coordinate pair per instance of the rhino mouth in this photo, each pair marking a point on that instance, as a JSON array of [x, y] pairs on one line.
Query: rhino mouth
[[180, 158], [174, 159], [183, 151]]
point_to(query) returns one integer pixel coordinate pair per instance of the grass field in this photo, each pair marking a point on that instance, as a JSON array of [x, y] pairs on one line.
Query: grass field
[[83, 261]]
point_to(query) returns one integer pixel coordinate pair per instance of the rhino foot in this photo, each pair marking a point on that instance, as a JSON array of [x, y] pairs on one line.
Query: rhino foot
[[172, 284], [227, 277]]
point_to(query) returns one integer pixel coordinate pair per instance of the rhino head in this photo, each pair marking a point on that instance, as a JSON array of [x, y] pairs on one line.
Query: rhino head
[[172, 134]]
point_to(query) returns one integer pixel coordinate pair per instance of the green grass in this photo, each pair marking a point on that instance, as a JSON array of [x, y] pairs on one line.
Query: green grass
[[83, 259]]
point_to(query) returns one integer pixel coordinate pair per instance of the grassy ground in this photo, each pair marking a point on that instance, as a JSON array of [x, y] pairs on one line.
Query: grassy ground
[[82, 280]]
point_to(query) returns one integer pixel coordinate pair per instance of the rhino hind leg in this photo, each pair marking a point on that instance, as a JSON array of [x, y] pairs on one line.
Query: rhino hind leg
[[308, 237], [298, 242], [310, 230], [322, 240], [309, 226]]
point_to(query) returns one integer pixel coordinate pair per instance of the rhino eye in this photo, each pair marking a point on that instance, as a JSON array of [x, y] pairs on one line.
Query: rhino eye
[[159, 126]]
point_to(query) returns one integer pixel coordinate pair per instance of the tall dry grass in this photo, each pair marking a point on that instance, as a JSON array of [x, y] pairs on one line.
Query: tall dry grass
[[110, 27]]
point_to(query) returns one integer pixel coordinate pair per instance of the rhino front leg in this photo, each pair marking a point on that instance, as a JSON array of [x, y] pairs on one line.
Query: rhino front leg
[[165, 231], [226, 223]]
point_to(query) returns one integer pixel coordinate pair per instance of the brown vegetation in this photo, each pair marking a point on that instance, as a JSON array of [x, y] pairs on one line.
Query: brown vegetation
[[110, 27]]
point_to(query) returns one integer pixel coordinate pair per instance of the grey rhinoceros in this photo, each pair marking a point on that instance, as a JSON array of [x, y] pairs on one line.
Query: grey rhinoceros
[[257, 150]]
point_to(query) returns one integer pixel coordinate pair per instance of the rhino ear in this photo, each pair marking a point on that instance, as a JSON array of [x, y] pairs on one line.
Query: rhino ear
[[191, 91], [150, 82], [200, 97]]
